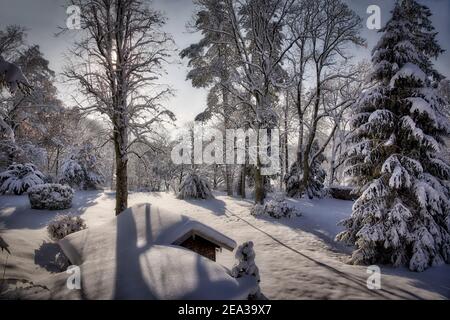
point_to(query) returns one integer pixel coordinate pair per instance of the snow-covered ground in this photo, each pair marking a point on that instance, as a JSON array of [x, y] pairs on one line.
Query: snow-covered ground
[[297, 257]]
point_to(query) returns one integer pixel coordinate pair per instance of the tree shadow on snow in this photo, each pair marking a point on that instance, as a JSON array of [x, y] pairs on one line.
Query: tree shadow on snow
[[298, 224], [129, 281], [21, 216], [45, 257], [356, 282], [216, 206], [434, 279]]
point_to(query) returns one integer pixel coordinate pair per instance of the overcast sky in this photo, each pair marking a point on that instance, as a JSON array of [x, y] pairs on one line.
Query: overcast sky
[[42, 18]]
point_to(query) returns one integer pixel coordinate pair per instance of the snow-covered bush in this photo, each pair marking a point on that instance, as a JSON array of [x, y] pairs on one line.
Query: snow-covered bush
[[277, 208], [245, 265], [50, 196], [194, 187], [395, 155], [315, 183], [18, 178], [63, 225], [81, 170]]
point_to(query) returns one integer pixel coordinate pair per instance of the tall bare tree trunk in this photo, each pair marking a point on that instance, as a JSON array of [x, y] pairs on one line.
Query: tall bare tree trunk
[[312, 132], [228, 173], [259, 179], [259, 184], [332, 172], [241, 184], [121, 170], [285, 137]]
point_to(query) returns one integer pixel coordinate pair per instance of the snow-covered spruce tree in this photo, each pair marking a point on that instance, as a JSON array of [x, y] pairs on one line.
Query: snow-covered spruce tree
[[18, 178], [402, 216], [81, 170], [194, 187], [316, 177], [211, 63]]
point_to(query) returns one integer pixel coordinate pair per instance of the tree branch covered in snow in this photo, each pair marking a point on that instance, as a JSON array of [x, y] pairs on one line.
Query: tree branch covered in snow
[[116, 66], [395, 153]]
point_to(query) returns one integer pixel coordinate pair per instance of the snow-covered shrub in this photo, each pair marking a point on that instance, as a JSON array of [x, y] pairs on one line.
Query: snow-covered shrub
[[395, 155], [18, 178], [277, 208], [63, 225], [81, 170], [316, 177], [245, 265], [194, 187], [50, 196]]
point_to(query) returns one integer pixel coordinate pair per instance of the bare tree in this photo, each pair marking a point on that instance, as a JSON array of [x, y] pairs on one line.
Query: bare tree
[[116, 65], [334, 26]]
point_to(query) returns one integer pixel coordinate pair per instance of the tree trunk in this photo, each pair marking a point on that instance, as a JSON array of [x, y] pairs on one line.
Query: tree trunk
[[57, 162], [299, 106], [312, 133], [113, 170], [285, 137], [228, 175], [120, 137], [283, 168], [332, 172], [121, 171], [241, 182], [259, 179], [229, 180], [259, 184], [215, 177]]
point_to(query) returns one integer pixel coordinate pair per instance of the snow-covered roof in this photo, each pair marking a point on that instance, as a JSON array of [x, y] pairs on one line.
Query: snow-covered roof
[[133, 256]]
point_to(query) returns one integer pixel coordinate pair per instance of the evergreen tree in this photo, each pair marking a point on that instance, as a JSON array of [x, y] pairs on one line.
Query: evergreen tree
[[402, 215], [212, 64], [80, 169], [316, 177]]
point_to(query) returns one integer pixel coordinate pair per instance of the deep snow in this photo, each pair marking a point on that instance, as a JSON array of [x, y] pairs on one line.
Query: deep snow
[[297, 257]]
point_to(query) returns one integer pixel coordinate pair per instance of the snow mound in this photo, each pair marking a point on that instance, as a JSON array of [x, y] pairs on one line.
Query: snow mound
[[50, 196], [133, 256], [162, 273]]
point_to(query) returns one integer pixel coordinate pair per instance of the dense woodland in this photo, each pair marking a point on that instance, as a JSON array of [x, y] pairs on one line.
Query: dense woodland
[[380, 127]]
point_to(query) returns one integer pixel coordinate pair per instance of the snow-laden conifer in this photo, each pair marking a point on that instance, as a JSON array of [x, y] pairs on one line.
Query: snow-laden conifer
[[395, 156]]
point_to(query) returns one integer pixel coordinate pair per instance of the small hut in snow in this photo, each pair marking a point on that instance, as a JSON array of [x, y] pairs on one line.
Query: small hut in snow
[[150, 253]]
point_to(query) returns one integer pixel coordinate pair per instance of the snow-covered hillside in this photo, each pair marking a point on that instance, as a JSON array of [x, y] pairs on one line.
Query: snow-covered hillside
[[297, 257]]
